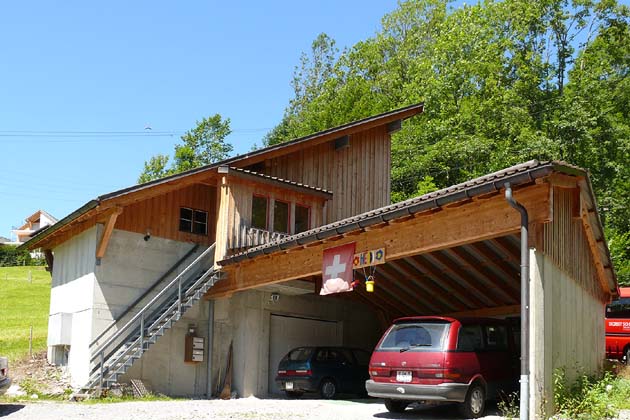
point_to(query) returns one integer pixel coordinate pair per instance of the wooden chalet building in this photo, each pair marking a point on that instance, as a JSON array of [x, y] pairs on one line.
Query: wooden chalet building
[[156, 281]]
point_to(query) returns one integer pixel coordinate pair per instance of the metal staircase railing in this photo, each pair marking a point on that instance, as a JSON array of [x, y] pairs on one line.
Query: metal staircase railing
[[118, 353]]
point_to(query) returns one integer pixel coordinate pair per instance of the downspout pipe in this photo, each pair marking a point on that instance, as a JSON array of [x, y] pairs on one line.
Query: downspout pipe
[[524, 396]]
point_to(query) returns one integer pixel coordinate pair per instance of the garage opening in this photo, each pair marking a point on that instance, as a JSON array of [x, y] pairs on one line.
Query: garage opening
[[288, 332]]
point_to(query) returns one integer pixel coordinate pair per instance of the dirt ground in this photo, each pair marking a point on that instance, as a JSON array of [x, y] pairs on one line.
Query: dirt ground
[[37, 376], [245, 408]]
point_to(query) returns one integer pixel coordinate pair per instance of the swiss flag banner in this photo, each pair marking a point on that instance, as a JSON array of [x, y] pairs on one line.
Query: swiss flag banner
[[337, 269]]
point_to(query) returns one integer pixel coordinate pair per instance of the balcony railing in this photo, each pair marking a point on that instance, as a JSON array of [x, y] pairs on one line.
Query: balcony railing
[[248, 237]]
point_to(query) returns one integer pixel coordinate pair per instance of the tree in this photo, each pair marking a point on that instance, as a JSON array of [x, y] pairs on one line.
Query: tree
[[203, 145], [502, 82]]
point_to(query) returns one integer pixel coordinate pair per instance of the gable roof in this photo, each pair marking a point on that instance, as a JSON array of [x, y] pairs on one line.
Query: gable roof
[[36, 216], [237, 161]]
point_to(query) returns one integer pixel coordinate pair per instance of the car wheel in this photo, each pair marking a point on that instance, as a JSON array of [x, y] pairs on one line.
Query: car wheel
[[475, 403], [628, 356], [328, 389], [394, 406], [294, 394]]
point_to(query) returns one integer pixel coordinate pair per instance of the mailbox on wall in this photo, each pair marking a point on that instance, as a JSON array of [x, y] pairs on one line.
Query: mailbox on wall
[[194, 349]]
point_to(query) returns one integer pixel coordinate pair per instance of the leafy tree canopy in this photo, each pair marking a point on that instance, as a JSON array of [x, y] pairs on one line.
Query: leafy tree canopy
[[502, 82], [203, 145]]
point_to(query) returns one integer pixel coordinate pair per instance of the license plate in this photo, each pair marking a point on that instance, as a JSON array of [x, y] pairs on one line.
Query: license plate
[[403, 376], [288, 386]]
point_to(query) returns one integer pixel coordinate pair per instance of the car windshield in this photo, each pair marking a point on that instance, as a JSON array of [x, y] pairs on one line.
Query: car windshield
[[416, 336], [300, 354]]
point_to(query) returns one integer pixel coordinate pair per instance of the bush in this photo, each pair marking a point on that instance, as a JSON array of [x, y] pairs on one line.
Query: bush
[[10, 256], [589, 397]]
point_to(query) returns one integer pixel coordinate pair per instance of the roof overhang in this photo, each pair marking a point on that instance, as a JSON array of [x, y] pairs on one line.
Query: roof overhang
[[518, 176], [104, 202]]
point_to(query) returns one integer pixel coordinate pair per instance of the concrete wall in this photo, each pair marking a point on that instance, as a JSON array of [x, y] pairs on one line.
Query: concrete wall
[[567, 330], [162, 367], [245, 318], [130, 266], [72, 292]]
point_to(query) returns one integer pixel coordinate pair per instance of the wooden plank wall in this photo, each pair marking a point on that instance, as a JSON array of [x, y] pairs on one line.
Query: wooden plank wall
[[240, 206], [565, 242], [358, 175], [160, 214]]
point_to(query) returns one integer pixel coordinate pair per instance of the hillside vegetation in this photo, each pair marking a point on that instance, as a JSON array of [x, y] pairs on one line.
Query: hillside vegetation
[[24, 301], [503, 82]]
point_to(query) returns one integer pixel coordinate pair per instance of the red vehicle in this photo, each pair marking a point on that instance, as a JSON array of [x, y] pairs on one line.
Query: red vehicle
[[442, 359], [618, 327]]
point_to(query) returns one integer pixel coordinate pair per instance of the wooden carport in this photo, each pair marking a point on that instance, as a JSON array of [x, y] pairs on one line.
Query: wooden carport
[[456, 251]]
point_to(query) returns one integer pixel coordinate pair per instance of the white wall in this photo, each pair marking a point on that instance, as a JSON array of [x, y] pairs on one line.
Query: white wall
[[71, 292], [245, 319], [566, 330]]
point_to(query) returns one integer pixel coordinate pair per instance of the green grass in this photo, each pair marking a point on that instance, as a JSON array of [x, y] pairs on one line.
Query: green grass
[[23, 303]]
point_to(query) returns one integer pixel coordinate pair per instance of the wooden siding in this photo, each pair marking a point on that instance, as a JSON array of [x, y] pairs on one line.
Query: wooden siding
[[239, 210], [566, 243], [357, 175], [160, 214]]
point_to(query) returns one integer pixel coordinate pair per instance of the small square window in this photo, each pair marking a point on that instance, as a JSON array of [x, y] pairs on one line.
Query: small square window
[[193, 221]]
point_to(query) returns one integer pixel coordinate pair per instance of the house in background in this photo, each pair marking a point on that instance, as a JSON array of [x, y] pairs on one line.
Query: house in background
[[34, 223], [157, 281]]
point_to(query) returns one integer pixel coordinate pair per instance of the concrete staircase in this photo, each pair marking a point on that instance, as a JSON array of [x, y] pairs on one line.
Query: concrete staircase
[[116, 355]]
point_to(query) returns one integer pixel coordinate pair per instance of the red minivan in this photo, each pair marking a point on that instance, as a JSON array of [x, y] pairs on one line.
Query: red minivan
[[442, 359]]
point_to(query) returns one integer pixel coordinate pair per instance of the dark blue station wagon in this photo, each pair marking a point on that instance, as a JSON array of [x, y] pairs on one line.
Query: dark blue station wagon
[[326, 370]]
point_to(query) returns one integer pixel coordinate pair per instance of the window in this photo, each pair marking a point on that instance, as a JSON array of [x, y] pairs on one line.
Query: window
[[193, 221], [302, 218], [280, 216], [259, 212], [496, 337], [416, 336], [470, 338], [619, 308]]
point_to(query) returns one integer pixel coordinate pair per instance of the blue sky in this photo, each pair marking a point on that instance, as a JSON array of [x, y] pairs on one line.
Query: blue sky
[[84, 68]]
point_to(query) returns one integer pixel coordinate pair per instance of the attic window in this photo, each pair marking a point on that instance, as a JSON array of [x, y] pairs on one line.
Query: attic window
[[193, 221]]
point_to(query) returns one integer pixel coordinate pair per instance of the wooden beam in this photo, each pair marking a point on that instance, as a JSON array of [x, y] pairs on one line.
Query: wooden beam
[[107, 233], [50, 260], [472, 284], [504, 286], [452, 287], [495, 260], [563, 181], [496, 311], [473, 222], [409, 277], [391, 280], [592, 243]]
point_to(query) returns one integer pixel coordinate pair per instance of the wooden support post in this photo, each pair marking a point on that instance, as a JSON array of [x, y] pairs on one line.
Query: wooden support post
[[107, 233]]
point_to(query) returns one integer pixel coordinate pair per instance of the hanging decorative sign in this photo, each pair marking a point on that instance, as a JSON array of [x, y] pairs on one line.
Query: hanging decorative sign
[[368, 258], [337, 269]]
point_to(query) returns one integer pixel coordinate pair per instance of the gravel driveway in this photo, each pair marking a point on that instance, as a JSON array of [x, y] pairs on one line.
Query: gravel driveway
[[245, 408]]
